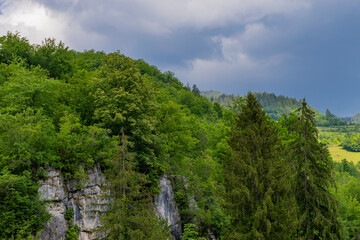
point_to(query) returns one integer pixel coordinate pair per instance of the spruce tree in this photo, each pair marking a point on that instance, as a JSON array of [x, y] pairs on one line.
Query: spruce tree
[[195, 90], [313, 176], [257, 178]]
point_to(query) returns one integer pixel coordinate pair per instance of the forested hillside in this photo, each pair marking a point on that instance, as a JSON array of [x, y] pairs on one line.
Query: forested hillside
[[219, 97], [237, 173], [70, 110], [277, 105], [274, 105], [355, 118]]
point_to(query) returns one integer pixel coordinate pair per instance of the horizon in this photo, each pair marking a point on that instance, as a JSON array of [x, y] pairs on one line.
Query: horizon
[[293, 48]]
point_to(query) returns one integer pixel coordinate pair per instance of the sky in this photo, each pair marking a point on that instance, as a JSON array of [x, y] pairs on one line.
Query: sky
[[296, 48]]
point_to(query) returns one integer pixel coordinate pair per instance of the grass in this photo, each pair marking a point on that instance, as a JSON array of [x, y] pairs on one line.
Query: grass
[[338, 154]]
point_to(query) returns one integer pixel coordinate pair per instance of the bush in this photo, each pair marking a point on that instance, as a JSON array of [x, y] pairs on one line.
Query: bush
[[21, 212], [191, 233], [73, 233]]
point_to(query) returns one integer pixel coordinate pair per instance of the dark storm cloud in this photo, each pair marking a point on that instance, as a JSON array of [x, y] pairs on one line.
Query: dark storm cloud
[[327, 58], [313, 55]]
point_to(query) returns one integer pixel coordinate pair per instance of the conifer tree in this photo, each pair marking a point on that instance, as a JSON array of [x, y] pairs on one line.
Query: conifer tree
[[195, 90], [313, 176], [257, 179]]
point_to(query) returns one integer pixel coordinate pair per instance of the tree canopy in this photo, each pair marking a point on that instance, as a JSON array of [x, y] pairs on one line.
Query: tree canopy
[[238, 172]]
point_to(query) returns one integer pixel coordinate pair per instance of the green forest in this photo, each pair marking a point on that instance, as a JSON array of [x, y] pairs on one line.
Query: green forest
[[254, 171]]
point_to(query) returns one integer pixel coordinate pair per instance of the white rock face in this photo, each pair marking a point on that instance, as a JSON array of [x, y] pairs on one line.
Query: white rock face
[[88, 203], [166, 207]]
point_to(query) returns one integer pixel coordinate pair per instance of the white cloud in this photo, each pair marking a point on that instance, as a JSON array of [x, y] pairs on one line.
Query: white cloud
[[92, 23], [235, 47], [36, 22]]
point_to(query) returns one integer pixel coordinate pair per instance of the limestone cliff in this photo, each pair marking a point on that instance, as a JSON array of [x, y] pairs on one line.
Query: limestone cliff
[[85, 198], [87, 203], [166, 207]]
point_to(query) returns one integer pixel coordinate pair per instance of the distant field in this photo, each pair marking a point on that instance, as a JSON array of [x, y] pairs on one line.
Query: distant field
[[338, 154]]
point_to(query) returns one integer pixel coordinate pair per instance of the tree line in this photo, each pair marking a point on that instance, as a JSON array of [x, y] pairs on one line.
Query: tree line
[[251, 177]]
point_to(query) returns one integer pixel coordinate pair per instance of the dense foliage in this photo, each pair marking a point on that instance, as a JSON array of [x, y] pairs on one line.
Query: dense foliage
[[67, 110], [21, 211], [351, 142], [236, 173], [348, 195]]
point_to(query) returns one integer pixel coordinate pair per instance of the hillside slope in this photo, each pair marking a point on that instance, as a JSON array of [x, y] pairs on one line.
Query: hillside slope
[[71, 111], [68, 117]]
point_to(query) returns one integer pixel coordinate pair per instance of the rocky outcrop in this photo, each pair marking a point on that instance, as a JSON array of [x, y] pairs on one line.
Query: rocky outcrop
[[167, 209], [86, 198]]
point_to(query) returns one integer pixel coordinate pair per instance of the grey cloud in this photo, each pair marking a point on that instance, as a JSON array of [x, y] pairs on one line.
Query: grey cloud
[[166, 16], [278, 45]]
